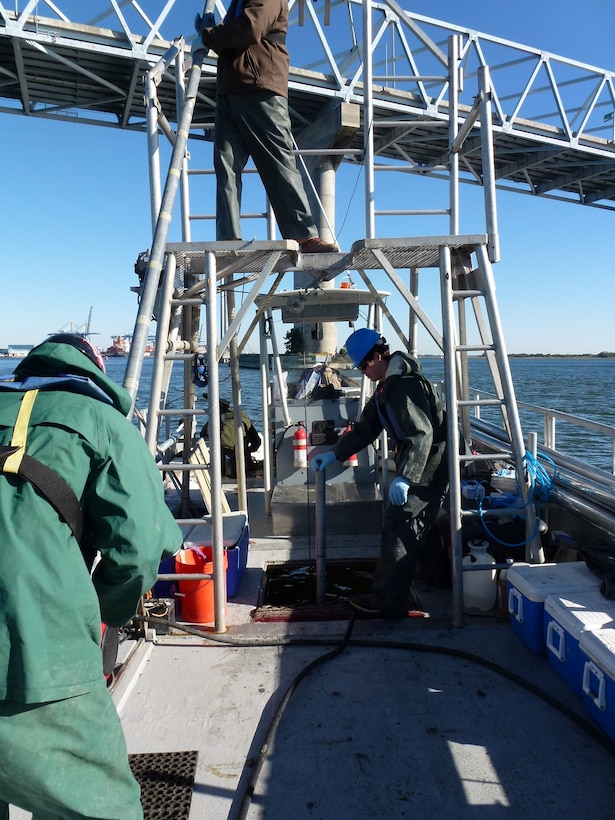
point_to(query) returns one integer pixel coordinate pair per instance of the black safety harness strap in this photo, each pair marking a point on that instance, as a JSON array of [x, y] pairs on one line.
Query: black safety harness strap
[[14, 461]]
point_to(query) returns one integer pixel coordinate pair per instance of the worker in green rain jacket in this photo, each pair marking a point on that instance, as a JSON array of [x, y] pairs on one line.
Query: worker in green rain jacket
[[62, 750]]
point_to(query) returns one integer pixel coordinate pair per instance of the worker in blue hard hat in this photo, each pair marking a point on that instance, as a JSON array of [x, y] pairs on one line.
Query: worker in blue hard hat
[[408, 407]]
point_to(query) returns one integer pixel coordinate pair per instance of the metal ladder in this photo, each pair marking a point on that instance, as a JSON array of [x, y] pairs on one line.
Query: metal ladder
[[462, 286]]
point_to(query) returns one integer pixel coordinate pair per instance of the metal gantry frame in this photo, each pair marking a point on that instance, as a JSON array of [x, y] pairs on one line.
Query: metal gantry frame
[[455, 138], [210, 268]]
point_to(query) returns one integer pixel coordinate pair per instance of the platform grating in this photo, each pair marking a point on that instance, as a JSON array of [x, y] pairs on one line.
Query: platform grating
[[166, 780]]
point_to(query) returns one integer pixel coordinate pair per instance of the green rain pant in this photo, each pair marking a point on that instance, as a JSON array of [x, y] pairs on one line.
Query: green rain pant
[[66, 760]]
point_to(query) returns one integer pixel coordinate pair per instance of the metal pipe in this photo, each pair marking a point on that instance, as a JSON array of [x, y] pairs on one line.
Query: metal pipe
[[154, 267], [240, 442], [368, 120], [265, 403], [153, 148], [162, 330], [184, 195], [213, 396], [453, 105], [452, 432], [413, 323], [486, 137], [321, 538], [278, 370]]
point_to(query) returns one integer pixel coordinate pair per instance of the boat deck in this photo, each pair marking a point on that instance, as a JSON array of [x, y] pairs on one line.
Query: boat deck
[[388, 719], [409, 718], [395, 718]]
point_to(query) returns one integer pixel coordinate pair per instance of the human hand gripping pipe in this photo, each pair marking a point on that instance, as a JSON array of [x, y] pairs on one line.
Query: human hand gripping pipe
[[203, 21], [322, 461]]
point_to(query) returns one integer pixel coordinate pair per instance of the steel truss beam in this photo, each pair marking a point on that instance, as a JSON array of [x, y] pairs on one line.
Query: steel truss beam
[[553, 121]]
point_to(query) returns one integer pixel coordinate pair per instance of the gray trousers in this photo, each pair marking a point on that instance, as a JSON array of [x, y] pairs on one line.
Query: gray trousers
[[257, 124]]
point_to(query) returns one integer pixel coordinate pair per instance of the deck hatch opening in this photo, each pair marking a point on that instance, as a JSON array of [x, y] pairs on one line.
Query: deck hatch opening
[[288, 589]]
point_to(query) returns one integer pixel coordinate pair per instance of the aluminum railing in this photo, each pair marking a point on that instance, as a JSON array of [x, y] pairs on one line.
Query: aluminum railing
[[549, 419]]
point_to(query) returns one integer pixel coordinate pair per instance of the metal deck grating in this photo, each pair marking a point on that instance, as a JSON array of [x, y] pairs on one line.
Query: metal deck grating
[[250, 257], [166, 780]]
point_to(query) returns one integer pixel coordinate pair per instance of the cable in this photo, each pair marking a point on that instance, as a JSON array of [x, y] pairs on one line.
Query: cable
[[257, 765]]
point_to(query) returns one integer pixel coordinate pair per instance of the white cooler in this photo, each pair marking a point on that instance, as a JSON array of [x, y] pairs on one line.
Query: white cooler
[[527, 587], [598, 654], [567, 617]]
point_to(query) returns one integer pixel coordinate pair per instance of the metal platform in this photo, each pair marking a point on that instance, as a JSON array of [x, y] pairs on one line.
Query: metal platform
[[365, 254]]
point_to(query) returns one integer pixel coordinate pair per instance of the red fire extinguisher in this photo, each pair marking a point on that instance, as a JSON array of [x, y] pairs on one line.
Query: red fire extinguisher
[[300, 447], [351, 461]]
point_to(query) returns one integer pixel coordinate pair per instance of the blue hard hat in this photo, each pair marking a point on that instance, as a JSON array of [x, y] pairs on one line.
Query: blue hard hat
[[359, 344]]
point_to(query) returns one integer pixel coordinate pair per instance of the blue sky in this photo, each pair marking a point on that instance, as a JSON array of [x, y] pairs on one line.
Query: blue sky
[[74, 213]]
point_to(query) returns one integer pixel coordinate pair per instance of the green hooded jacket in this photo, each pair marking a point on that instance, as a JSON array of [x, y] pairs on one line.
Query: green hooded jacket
[[50, 608]]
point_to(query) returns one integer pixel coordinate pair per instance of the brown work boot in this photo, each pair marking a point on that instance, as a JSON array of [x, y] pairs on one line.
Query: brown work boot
[[317, 245]]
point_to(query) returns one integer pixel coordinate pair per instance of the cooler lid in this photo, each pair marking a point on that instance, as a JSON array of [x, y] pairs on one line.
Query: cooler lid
[[599, 646], [581, 610], [233, 527], [536, 581]]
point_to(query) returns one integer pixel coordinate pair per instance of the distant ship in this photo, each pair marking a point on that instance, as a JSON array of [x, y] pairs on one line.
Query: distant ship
[[120, 346]]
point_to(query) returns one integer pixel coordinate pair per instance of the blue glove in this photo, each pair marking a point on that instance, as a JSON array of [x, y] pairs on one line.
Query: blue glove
[[322, 461], [203, 21], [398, 491]]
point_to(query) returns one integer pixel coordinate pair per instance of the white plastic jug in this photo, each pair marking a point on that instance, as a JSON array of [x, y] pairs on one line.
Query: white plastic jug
[[479, 586]]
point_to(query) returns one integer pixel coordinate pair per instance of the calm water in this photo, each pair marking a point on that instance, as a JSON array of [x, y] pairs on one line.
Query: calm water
[[583, 387]]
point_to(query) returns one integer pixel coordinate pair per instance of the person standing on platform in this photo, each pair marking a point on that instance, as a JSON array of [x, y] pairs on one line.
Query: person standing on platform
[[407, 406], [252, 119], [83, 528]]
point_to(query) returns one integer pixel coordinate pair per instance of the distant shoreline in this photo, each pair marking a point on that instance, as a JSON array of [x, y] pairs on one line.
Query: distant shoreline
[[603, 355]]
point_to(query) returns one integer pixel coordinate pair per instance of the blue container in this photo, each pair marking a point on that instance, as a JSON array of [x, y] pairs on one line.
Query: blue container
[[237, 561], [165, 589], [598, 653], [567, 618], [527, 587]]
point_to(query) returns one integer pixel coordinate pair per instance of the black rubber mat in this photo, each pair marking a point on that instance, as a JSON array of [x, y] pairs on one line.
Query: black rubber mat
[[166, 780]]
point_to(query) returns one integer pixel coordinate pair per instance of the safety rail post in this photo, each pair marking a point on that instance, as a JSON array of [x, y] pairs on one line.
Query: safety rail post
[[213, 396]]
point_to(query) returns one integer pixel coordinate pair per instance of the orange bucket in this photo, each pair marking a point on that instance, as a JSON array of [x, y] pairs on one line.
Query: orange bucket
[[197, 597]]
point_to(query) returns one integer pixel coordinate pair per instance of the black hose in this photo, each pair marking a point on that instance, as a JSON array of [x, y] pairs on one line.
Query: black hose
[[256, 767]]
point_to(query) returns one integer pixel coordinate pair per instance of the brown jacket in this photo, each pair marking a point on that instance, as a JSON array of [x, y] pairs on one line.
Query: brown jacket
[[250, 46]]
